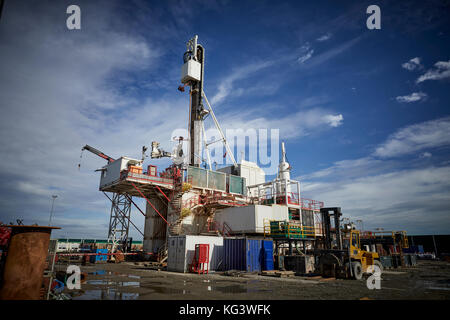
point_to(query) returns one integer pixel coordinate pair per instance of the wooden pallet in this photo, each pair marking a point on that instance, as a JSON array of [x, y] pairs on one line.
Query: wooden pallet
[[319, 278], [279, 274]]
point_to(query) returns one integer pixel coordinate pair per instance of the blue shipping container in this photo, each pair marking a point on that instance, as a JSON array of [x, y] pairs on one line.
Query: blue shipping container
[[94, 259], [268, 255], [254, 255], [248, 254], [234, 254]]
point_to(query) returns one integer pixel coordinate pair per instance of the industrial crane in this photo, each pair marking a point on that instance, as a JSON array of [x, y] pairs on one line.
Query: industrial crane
[[120, 208], [98, 153]]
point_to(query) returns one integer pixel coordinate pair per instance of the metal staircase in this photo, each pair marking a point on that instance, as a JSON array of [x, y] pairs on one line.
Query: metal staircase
[[163, 253], [176, 204]]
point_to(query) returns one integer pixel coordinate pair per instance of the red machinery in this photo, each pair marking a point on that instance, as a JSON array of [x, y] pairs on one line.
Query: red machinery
[[5, 234], [201, 258]]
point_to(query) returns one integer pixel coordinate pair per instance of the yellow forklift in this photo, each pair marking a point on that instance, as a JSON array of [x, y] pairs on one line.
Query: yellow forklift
[[340, 254]]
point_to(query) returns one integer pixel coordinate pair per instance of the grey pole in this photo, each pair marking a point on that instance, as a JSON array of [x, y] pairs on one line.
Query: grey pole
[[51, 211]]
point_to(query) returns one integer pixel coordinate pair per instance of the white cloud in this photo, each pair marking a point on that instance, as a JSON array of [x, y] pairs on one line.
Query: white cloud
[[226, 85], [412, 64], [306, 56], [299, 124], [416, 137], [325, 37], [334, 120], [330, 54], [413, 97], [441, 71], [391, 193], [61, 91], [416, 200]]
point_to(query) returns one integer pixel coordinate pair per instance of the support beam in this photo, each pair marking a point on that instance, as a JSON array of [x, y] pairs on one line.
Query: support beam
[[148, 201], [129, 198], [159, 189], [123, 215]]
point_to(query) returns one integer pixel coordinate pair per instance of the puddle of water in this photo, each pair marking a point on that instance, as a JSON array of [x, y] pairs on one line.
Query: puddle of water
[[112, 283], [97, 273], [168, 290], [439, 288], [106, 295], [230, 289]]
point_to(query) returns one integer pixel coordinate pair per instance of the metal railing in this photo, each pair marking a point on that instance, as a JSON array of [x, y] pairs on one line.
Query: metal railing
[[191, 202], [224, 229], [287, 230], [292, 198]]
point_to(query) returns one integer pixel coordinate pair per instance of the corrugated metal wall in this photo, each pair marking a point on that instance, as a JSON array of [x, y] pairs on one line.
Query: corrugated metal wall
[[234, 254], [267, 246], [251, 255], [254, 254]]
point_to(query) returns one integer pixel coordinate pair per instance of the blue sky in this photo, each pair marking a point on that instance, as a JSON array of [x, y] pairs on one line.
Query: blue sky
[[364, 113]]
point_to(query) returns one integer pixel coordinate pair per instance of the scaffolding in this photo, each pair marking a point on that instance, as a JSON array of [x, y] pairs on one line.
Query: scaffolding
[[119, 221]]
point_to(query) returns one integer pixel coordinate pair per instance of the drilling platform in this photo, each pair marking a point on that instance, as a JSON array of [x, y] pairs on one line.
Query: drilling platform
[[186, 199]]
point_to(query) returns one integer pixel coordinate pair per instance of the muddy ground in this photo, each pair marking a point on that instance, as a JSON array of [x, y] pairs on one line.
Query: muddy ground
[[428, 280]]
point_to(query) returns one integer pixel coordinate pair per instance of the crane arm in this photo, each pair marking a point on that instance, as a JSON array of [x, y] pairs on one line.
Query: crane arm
[[98, 153]]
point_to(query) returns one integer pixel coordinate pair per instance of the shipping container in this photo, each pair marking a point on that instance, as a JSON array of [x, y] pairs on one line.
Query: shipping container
[[181, 251], [99, 258], [251, 255], [267, 246]]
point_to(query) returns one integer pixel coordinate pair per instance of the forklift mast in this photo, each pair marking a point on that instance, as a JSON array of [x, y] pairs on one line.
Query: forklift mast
[[326, 226]]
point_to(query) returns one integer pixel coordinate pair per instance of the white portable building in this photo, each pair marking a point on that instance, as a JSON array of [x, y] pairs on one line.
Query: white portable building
[[181, 251], [250, 219]]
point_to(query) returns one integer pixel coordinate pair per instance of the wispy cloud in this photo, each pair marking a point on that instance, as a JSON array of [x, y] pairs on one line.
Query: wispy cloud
[[306, 56], [413, 97], [387, 192], [293, 125], [325, 37], [412, 64], [331, 53], [416, 137], [440, 71], [227, 85], [415, 200]]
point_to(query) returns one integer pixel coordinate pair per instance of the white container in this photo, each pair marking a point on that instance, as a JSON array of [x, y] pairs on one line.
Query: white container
[[191, 70], [181, 251], [250, 219], [248, 170], [111, 172]]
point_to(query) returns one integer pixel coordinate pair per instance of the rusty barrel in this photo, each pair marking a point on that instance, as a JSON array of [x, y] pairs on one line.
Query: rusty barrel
[[25, 262]]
